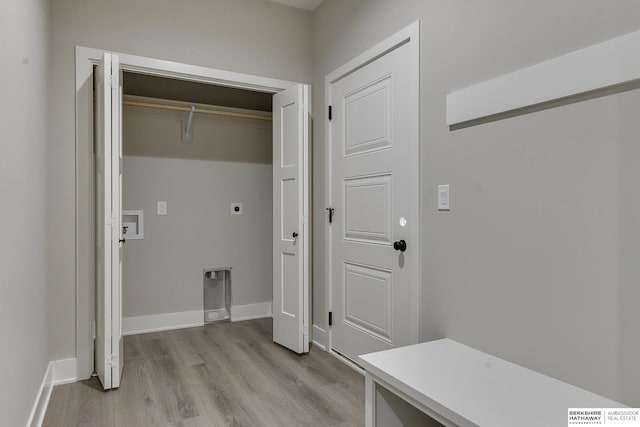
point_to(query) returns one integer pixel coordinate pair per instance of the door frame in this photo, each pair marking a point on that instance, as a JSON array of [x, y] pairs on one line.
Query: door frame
[[85, 59], [410, 35]]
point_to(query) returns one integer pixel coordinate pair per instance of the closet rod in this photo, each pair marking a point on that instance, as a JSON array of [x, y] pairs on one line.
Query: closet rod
[[197, 110]]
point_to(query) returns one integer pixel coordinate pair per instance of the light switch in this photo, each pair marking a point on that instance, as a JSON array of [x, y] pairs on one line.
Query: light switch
[[162, 208], [443, 197]]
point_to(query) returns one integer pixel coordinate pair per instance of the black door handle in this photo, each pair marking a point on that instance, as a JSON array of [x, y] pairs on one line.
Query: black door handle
[[400, 245], [295, 234]]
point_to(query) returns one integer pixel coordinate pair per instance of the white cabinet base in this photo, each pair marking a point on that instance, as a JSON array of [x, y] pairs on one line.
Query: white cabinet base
[[449, 383]]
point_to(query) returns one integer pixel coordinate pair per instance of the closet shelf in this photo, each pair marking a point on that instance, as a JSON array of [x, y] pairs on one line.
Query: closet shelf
[[147, 104]]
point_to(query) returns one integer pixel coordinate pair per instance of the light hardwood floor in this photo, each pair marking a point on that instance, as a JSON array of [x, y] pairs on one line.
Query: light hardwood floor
[[225, 374]]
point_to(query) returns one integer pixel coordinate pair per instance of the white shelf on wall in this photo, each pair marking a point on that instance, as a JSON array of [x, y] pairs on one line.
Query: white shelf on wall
[[604, 65], [133, 225]]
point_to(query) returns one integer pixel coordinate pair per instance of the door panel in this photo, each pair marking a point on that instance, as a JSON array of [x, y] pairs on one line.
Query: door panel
[[367, 209], [290, 219], [290, 135], [374, 160], [290, 306], [373, 314], [289, 188], [367, 118]]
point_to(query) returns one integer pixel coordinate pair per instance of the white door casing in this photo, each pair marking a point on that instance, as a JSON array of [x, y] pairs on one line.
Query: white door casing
[[108, 344], [290, 218], [374, 183]]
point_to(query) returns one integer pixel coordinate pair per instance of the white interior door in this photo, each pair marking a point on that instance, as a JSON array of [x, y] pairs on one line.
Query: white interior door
[[108, 345], [375, 193], [290, 218]]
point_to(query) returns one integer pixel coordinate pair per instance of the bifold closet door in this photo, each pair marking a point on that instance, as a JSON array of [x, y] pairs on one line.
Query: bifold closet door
[[108, 110], [290, 218]]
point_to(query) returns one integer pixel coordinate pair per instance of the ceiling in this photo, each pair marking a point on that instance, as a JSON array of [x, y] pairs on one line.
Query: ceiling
[[198, 93], [301, 4]]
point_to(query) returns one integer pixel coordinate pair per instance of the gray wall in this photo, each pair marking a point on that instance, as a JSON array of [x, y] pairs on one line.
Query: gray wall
[[535, 262], [23, 169], [158, 133], [250, 36], [629, 234], [163, 272]]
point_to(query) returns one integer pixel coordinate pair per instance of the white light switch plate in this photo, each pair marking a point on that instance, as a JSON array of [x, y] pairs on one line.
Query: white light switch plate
[[162, 208], [443, 197]]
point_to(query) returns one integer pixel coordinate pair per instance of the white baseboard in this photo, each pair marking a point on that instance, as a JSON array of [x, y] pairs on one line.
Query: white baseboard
[[42, 399], [250, 311], [64, 371], [189, 319], [162, 322], [319, 337], [348, 362], [57, 372]]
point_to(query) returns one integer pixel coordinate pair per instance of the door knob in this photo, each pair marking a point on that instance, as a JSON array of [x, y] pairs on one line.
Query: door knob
[[295, 234], [400, 245], [122, 241]]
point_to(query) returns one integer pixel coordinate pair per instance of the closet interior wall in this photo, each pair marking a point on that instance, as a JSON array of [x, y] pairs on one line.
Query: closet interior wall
[[228, 160]]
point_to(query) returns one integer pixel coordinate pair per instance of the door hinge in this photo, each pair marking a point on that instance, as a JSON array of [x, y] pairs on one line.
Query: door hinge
[[330, 318], [330, 214], [112, 360], [330, 113]]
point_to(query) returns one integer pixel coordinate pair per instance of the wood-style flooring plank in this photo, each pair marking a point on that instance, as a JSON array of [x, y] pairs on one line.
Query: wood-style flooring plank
[[86, 405], [57, 409], [136, 399], [176, 396], [224, 374]]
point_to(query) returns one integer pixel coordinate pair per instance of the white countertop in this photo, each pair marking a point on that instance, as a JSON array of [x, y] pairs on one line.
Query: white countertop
[[472, 388]]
